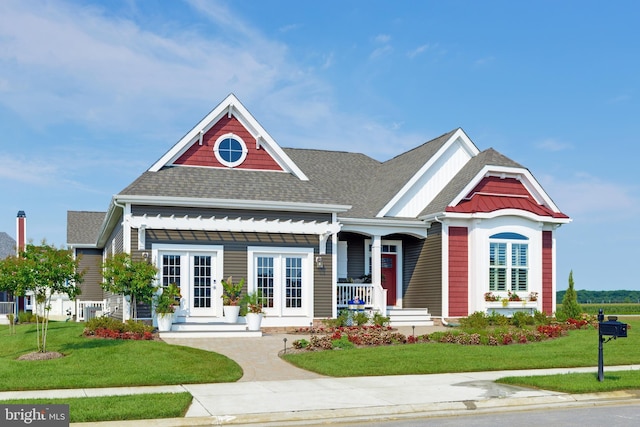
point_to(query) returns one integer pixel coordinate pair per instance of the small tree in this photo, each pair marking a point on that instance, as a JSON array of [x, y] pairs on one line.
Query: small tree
[[44, 271], [570, 307], [134, 279]]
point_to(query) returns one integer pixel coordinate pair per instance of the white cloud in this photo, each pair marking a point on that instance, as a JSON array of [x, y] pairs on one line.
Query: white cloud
[[85, 67], [417, 51], [27, 171], [290, 27], [551, 144], [592, 199], [382, 38]]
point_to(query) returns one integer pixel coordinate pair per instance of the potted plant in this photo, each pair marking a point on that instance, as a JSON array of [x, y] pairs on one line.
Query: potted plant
[[165, 303], [533, 296], [231, 299], [254, 303]]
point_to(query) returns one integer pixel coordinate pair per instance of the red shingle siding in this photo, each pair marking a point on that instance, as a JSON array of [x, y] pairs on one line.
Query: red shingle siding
[[494, 193], [203, 155], [547, 272], [458, 271]]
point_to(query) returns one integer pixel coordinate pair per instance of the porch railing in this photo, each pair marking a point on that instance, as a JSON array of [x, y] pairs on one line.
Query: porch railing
[[99, 305], [351, 291], [6, 308]]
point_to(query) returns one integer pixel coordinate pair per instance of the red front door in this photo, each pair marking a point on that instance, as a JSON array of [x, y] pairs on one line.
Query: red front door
[[388, 270]]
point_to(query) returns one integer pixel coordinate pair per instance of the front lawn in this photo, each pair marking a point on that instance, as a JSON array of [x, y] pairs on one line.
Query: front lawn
[[578, 348], [95, 362]]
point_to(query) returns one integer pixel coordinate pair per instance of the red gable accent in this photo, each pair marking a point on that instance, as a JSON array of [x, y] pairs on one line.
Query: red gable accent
[[494, 193], [203, 155]]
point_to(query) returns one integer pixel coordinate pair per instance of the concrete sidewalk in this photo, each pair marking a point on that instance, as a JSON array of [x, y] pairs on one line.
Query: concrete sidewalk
[[322, 400]]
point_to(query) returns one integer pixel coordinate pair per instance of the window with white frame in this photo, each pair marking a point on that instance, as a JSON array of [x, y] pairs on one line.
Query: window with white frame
[[508, 262]]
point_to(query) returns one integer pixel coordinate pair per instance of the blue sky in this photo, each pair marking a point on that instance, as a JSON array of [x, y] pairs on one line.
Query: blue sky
[[93, 92]]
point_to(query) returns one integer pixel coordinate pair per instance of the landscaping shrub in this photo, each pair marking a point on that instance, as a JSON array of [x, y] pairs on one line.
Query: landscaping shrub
[[380, 320], [477, 320], [521, 319], [497, 319], [360, 318]]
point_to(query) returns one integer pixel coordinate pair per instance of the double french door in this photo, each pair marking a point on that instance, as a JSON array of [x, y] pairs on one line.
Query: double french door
[[195, 273], [285, 282]]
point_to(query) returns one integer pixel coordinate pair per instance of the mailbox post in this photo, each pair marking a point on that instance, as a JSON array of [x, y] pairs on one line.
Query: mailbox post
[[611, 328]]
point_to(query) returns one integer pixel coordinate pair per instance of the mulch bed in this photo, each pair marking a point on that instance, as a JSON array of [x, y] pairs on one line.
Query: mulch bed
[[36, 355]]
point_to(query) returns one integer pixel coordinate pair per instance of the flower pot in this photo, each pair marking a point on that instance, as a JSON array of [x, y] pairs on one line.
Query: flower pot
[[165, 320], [254, 320], [231, 313]]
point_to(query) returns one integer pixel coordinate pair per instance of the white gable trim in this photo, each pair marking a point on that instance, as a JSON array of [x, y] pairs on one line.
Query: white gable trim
[[521, 174], [230, 106], [469, 149], [541, 220]]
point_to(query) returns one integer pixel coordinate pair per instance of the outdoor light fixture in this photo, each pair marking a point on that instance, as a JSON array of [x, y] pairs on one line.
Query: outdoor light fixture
[[319, 262]]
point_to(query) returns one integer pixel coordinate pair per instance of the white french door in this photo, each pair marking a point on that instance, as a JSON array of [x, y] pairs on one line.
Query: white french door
[[284, 279], [196, 273]]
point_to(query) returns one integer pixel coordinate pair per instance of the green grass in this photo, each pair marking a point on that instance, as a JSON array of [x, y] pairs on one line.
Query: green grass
[[579, 382], [91, 362], [116, 408], [579, 348]]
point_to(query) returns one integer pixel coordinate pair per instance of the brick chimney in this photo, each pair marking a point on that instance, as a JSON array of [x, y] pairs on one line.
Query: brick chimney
[[21, 232]]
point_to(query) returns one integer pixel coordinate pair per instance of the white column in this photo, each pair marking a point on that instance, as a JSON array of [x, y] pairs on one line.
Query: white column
[[376, 274]]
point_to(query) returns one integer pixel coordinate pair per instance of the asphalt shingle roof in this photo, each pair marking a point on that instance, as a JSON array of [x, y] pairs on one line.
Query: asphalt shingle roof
[[83, 227], [7, 245]]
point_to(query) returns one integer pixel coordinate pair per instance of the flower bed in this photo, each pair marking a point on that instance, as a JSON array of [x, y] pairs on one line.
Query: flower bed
[[367, 336], [105, 327]]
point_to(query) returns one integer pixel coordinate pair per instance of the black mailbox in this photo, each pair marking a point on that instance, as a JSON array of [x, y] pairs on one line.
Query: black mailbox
[[613, 328]]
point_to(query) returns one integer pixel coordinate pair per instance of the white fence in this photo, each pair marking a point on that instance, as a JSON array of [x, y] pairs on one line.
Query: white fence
[[98, 305], [6, 308]]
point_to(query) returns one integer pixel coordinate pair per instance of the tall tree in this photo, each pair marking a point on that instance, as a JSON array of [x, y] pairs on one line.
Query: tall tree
[[134, 279], [44, 271], [570, 307]]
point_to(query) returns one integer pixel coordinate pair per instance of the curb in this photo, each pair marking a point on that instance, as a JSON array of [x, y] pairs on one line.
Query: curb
[[393, 412]]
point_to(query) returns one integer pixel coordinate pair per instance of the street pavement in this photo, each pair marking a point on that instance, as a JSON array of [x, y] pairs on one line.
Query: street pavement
[[274, 393]]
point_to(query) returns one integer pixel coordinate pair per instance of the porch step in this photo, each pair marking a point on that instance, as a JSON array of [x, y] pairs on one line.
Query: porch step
[[209, 330], [409, 317]]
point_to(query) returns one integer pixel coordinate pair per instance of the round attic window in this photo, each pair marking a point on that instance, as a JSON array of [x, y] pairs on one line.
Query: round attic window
[[230, 150]]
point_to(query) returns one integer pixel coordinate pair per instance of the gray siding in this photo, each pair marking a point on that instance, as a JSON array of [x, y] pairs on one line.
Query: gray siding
[[355, 254], [235, 254], [423, 272], [90, 261]]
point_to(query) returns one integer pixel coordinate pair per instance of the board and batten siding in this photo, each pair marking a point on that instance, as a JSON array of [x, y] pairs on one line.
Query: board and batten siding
[[90, 261], [423, 271], [235, 254]]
